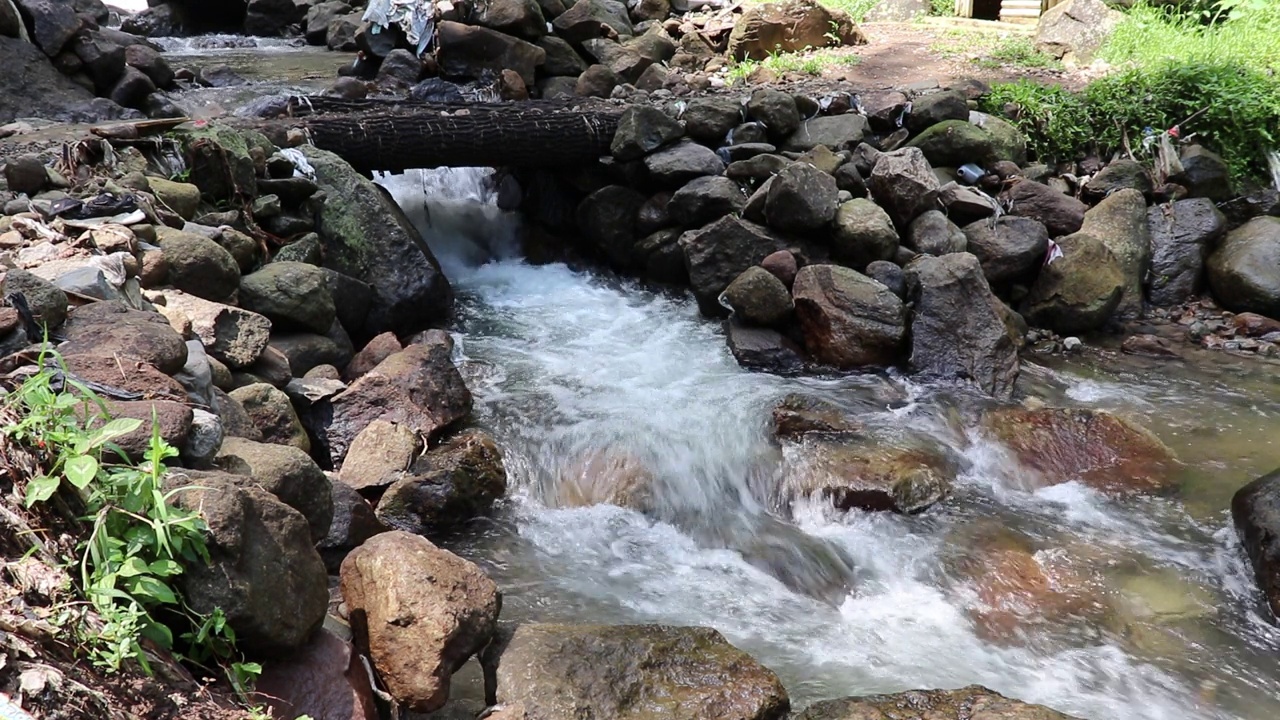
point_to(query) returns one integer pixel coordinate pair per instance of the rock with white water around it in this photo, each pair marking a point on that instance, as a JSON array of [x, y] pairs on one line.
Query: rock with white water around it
[[848, 319], [718, 253], [446, 487], [1256, 511], [873, 475], [759, 298], [968, 703]]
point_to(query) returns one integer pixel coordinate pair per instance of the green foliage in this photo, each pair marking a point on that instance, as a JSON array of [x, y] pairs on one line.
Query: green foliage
[[137, 543], [942, 8], [808, 61], [1244, 32], [1239, 112], [857, 9]]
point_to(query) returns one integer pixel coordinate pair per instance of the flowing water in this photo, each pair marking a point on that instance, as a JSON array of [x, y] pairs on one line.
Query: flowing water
[[569, 366]]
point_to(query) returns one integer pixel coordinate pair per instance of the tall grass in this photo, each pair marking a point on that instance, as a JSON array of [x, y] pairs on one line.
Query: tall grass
[[1150, 36]]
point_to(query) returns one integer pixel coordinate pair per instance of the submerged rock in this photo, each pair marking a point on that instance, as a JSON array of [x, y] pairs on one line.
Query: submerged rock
[[799, 415], [629, 672], [968, 703], [604, 477], [446, 487], [870, 474], [1101, 450]]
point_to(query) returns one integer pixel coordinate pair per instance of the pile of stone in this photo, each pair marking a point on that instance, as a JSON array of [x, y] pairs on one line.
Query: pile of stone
[[846, 237]]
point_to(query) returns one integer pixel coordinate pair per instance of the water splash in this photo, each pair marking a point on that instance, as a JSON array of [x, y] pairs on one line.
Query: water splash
[[1273, 162]]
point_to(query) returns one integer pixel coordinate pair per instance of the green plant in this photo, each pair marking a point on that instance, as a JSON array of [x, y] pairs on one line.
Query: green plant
[[1244, 32], [942, 8], [136, 543]]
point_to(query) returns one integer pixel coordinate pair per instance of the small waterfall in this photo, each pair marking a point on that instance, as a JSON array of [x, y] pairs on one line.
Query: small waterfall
[[1273, 162]]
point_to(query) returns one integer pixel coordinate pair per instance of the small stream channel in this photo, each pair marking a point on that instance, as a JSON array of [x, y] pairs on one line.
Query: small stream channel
[[565, 364]]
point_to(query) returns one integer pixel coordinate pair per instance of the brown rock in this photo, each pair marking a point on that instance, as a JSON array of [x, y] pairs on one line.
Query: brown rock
[[872, 475], [113, 329], [173, 419], [322, 679], [781, 265], [419, 612], [1149, 345], [1060, 213], [848, 319], [790, 26], [379, 455], [1255, 325], [233, 335], [447, 486], [606, 477], [378, 349], [126, 374], [799, 415], [273, 414], [1095, 447]]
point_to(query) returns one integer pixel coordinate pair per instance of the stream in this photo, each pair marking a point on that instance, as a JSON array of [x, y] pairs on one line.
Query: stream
[[568, 365]]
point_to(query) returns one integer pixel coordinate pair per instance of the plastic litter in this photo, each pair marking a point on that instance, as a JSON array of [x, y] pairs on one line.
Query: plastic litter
[[416, 18], [301, 167], [970, 173], [1053, 253]]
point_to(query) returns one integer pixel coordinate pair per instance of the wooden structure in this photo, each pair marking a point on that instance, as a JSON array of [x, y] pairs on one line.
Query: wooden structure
[[1005, 10]]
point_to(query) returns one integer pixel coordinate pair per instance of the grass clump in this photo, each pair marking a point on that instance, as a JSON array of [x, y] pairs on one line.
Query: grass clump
[[807, 62], [1243, 32], [135, 544]]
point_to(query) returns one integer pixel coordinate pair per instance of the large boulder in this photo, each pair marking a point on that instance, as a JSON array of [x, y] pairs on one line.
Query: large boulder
[[968, 703], [1078, 291], [1060, 213], [287, 473], [292, 294], [720, 252], [801, 199], [1182, 234], [265, 574], [1120, 222], [1076, 29], [467, 51], [790, 26], [1256, 511], [1009, 248], [958, 330], [32, 87], [563, 61], [114, 329], [52, 23], [837, 132], [367, 236], [705, 200], [198, 265], [607, 218], [446, 487], [271, 18], [418, 387], [419, 612], [589, 19], [903, 183], [1244, 272], [630, 672], [870, 474], [862, 234], [1204, 174], [1099, 449], [848, 319]]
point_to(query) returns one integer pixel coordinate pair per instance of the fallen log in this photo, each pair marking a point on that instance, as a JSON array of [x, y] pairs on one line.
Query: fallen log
[[377, 137]]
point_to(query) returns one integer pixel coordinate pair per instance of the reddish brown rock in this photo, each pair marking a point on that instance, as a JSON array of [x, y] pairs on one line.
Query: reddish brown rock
[[871, 474], [606, 477], [323, 679], [1255, 325], [126, 374], [378, 349]]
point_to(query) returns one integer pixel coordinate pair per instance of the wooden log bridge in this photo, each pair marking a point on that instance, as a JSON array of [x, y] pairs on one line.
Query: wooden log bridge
[[393, 136]]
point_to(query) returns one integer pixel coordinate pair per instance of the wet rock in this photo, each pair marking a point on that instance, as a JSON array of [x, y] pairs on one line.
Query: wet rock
[[602, 477], [1077, 292], [1244, 272], [1009, 248], [799, 415], [446, 487], [641, 130], [763, 349], [287, 473], [1255, 509], [102, 59], [265, 575], [903, 184], [111, 328], [589, 19], [379, 455], [759, 298], [48, 303], [315, 24], [1060, 213], [1148, 345], [607, 218], [782, 265], [1076, 29], [322, 679], [1182, 234], [418, 387], [967, 703], [957, 325], [777, 110], [720, 252], [709, 120], [290, 294], [1120, 222], [682, 162], [366, 236], [871, 475], [848, 319], [1101, 450], [788, 27], [934, 108], [663, 257], [1204, 174], [837, 132], [705, 200], [629, 672], [198, 265], [1255, 325], [801, 198], [934, 234], [419, 612], [468, 50], [1123, 174], [399, 66], [863, 233], [272, 413]]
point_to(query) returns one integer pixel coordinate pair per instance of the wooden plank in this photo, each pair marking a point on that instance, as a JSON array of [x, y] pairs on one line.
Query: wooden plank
[[964, 8]]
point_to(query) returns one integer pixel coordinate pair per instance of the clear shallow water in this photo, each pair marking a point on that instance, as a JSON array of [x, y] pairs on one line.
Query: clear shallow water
[[567, 366]]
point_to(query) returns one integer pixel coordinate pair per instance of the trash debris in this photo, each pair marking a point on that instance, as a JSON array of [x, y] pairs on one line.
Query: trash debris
[[416, 18], [970, 173], [301, 167], [1053, 253]]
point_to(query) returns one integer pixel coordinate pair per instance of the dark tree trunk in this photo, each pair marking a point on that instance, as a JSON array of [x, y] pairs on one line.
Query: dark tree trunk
[[392, 138]]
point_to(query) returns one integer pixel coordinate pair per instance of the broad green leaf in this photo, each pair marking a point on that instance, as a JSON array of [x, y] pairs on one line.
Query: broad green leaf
[[81, 470], [159, 634], [151, 588], [41, 488], [165, 568], [114, 429], [133, 566]]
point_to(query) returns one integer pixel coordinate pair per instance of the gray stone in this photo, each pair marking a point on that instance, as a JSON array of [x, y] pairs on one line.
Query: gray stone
[[446, 487], [709, 120], [717, 254], [801, 198], [1077, 292], [776, 109], [293, 295], [934, 234], [1244, 272], [1076, 29], [1009, 248], [588, 19], [837, 132], [705, 200], [1256, 511], [929, 110], [199, 266], [1060, 213], [676, 165], [759, 298], [863, 233], [904, 185], [1182, 234], [607, 218], [641, 130], [287, 473], [1120, 222]]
